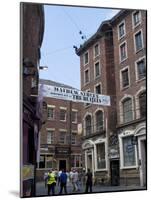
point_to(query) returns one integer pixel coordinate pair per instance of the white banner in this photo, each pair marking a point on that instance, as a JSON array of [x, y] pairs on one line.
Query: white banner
[[75, 95]]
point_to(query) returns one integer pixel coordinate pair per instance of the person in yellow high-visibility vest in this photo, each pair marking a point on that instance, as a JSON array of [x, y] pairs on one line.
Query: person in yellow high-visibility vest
[[51, 182]]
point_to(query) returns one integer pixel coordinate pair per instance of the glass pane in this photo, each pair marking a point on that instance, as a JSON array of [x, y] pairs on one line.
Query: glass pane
[[128, 152], [101, 162], [127, 110]]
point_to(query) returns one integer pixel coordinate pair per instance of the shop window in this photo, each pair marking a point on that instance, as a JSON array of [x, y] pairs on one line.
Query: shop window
[[101, 161], [128, 152]]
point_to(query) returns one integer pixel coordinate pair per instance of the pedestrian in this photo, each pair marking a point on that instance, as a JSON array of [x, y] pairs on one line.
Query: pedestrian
[[63, 182], [58, 177], [68, 178], [88, 181], [74, 181], [51, 183]]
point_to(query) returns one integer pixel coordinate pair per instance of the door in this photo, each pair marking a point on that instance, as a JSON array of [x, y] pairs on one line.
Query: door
[[89, 162], [114, 167], [62, 164]]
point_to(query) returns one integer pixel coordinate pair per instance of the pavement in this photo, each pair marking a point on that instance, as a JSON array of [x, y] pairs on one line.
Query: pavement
[[41, 190]]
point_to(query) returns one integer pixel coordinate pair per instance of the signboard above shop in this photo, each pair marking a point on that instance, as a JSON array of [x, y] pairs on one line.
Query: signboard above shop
[[75, 95]]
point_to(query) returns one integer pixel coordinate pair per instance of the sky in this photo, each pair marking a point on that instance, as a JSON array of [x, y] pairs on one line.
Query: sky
[[61, 33]]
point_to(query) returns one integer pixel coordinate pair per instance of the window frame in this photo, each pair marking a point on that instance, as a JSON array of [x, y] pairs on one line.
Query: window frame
[[121, 78], [52, 107], [140, 16], [84, 63], [95, 77], [136, 68], [134, 38], [94, 55], [127, 133], [63, 109], [122, 22], [126, 54], [53, 130]]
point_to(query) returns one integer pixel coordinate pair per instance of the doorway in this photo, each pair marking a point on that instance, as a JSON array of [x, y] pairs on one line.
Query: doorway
[[62, 164], [89, 162], [114, 167], [143, 148]]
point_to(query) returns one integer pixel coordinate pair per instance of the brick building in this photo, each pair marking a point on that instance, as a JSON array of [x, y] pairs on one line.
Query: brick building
[[129, 37], [32, 29], [99, 122], [60, 141], [113, 62]]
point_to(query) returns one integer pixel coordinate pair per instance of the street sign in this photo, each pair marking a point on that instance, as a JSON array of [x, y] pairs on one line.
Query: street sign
[[75, 95]]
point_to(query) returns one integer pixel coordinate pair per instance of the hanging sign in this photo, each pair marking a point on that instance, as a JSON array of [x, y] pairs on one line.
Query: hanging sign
[[75, 95]]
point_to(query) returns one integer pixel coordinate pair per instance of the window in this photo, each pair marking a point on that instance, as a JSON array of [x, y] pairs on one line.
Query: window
[[76, 161], [87, 104], [42, 161], [128, 152], [74, 116], [98, 89], [121, 30], [101, 162], [50, 113], [62, 138], [86, 58], [96, 50], [136, 18], [97, 69], [141, 69], [88, 125], [99, 120], [125, 78], [73, 139], [86, 74], [62, 115], [138, 41], [127, 110], [49, 161], [50, 137], [123, 53], [142, 104]]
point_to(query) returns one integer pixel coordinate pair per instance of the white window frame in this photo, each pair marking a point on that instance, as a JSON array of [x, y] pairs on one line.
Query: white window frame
[[63, 108], [85, 83], [142, 89], [120, 51], [84, 124], [50, 129], [95, 77], [98, 109], [121, 114], [140, 30], [126, 133], [122, 22], [136, 68], [94, 56], [84, 64], [76, 120], [65, 132], [51, 106], [121, 78], [133, 25], [96, 86], [100, 141]]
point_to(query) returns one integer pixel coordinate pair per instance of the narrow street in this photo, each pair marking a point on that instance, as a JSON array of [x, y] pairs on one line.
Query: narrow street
[[42, 191]]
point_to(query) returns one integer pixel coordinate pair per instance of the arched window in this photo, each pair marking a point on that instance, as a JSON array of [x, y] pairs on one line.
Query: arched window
[[142, 104], [127, 110], [99, 120], [88, 125]]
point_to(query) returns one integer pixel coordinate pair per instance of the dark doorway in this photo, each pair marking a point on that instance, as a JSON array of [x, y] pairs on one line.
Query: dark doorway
[[62, 164], [114, 166]]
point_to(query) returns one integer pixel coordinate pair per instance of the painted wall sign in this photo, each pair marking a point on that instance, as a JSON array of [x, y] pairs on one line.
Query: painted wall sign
[[75, 95]]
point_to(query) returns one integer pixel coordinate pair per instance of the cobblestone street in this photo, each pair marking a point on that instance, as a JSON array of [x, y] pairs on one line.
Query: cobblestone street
[[41, 190]]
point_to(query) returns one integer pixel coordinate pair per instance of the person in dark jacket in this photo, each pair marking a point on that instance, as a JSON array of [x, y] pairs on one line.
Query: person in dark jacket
[[63, 182], [88, 181]]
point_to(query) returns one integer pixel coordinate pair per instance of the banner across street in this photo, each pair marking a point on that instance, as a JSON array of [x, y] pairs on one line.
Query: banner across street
[[75, 95]]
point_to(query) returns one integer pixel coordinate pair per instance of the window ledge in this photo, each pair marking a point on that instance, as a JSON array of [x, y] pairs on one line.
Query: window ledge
[[137, 51], [121, 61], [139, 80]]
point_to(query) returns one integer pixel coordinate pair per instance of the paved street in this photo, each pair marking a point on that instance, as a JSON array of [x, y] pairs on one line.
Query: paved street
[[41, 190]]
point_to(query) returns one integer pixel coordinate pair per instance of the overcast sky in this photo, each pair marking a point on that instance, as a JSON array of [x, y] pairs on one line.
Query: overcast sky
[[62, 26]]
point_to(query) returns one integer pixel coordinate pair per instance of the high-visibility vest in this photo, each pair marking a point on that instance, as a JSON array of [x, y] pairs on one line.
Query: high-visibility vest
[[51, 178]]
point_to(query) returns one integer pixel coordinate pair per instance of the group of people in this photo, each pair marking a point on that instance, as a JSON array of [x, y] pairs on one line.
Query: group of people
[[64, 179]]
